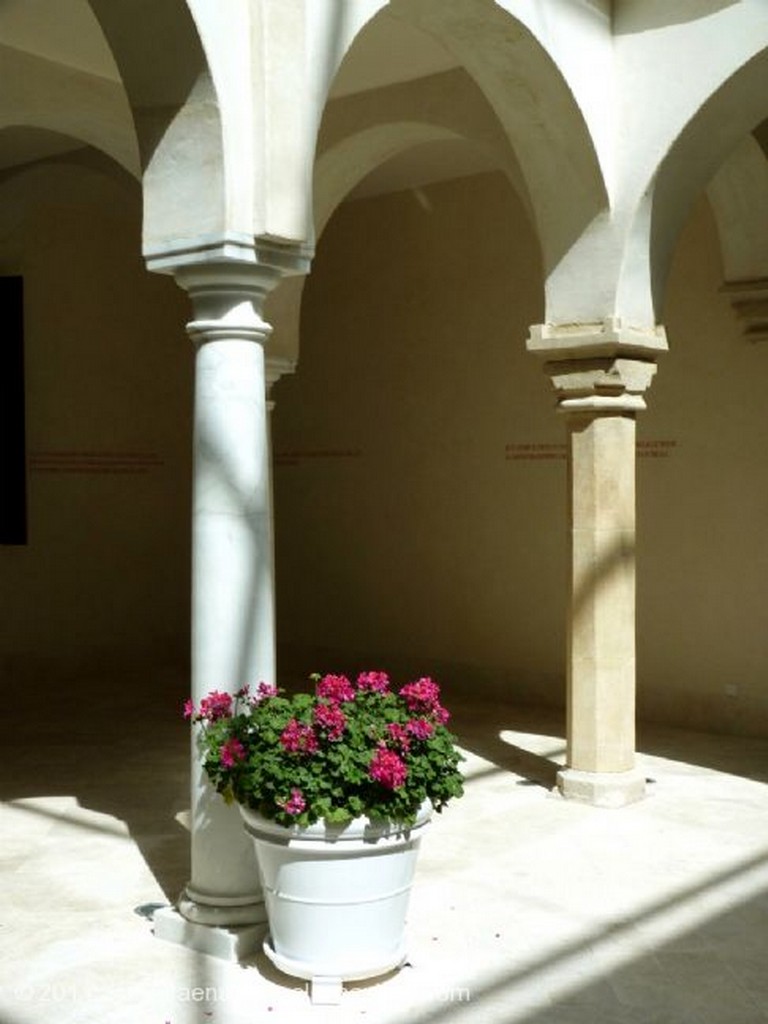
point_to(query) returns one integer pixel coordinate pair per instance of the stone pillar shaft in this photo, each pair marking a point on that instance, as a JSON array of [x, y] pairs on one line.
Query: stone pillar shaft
[[601, 659], [600, 373]]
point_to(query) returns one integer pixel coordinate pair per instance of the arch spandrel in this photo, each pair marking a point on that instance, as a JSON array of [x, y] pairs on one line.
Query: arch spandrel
[[163, 67]]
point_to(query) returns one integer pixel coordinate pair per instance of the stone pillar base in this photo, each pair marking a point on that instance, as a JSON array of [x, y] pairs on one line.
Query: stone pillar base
[[601, 789], [226, 943]]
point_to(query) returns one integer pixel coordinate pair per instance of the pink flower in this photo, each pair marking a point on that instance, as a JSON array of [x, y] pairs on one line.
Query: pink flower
[[331, 718], [295, 803], [298, 739], [420, 728], [189, 708], [388, 769], [231, 752], [216, 705], [423, 698], [423, 695], [440, 714], [335, 688], [377, 682], [264, 690], [399, 734]]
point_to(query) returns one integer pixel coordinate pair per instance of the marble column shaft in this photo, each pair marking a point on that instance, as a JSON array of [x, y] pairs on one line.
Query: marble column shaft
[[233, 628]]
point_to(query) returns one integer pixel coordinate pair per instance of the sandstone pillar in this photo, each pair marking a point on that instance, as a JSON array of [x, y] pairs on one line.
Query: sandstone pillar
[[600, 374]]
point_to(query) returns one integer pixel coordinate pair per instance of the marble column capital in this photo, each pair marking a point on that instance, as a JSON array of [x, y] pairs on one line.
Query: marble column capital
[[603, 367], [228, 294], [227, 301]]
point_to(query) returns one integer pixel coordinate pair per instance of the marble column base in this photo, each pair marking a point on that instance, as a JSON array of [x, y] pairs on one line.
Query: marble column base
[[233, 943], [601, 789], [222, 911]]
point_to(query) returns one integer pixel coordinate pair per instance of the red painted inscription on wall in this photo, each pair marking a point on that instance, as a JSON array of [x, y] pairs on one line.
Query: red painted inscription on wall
[[94, 462], [655, 449], [296, 457], [531, 452]]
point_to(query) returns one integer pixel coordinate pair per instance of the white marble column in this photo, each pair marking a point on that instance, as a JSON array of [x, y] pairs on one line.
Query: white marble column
[[221, 910], [600, 374], [233, 627]]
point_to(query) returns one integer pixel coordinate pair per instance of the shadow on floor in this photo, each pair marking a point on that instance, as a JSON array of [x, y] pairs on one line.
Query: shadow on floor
[[694, 957], [120, 747], [476, 731]]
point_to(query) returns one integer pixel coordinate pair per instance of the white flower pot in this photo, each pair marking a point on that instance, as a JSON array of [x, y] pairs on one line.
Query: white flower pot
[[336, 897]]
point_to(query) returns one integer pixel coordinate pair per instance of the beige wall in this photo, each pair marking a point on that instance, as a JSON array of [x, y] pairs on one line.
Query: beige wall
[[104, 579], [407, 533], [427, 548], [703, 512]]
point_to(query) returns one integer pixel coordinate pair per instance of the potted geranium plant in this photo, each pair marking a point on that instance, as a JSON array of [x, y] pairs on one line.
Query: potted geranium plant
[[333, 784]]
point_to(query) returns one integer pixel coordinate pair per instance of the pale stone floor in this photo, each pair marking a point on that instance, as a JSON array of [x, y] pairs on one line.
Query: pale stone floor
[[526, 908]]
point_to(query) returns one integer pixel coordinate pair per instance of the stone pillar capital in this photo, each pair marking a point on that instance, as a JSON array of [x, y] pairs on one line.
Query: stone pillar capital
[[603, 367], [749, 299], [276, 367]]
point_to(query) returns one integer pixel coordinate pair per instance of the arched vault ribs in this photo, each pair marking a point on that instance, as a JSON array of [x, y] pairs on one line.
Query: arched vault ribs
[[738, 196]]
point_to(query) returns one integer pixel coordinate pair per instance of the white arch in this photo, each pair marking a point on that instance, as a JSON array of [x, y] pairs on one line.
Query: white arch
[[692, 115], [676, 119], [731, 113], [534, 104], [361, 132], [337, 171]]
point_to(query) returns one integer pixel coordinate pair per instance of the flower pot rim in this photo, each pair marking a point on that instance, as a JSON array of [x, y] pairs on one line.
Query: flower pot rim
[[357, 829]]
